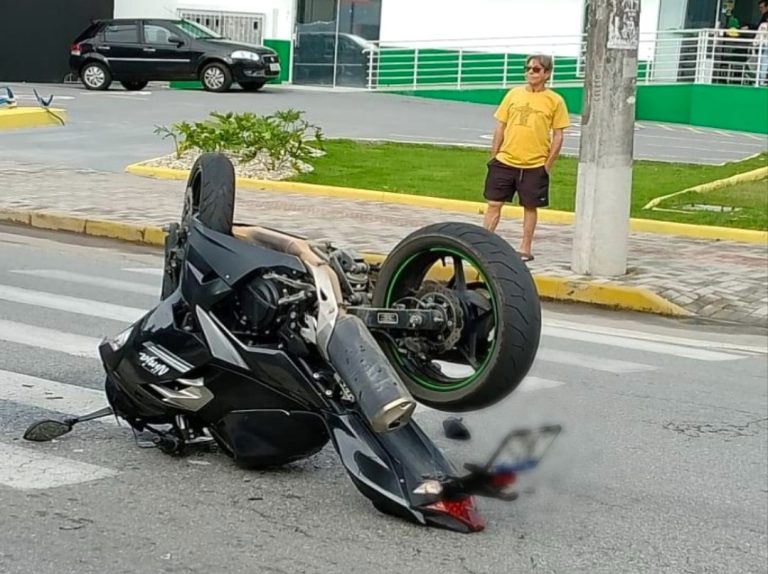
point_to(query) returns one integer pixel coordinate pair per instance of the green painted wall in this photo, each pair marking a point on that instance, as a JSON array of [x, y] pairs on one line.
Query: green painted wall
[[283, 49], [741, 108], [667, 103]]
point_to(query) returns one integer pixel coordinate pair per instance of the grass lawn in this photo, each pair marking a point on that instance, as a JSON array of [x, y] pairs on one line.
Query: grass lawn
[[750, 199], [458, 173]]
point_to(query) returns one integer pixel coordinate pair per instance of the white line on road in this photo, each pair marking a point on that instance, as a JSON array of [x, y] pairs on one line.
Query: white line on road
[[156, 272], [591, 362], [51, 395], [40, 337], [537, 384], [637, 344], [27, 469], [70, 304], [116, 284], [555, 324]]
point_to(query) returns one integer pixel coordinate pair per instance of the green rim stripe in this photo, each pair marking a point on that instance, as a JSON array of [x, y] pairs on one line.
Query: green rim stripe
[[426, 383]]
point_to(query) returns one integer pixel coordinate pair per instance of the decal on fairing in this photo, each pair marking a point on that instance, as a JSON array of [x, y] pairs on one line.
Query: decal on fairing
[[153, 365]]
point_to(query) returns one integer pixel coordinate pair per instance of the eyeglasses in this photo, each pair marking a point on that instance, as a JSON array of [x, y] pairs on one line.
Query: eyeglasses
[[534, 69]]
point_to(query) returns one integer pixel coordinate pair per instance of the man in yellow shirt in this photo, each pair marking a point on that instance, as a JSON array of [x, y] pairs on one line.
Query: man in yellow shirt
[[526, 143]]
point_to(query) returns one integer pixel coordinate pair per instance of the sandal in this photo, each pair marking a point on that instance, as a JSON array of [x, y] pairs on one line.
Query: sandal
[[526, 257]]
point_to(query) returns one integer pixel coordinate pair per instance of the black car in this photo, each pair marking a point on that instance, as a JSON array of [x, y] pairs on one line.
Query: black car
[[135, 52]]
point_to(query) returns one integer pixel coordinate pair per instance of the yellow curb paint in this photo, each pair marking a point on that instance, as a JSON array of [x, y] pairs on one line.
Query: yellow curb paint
[[699, 231], [154, 236], [115, 230], [607, 295], [555, 288], [753, 175], [18, 118], [454, 205], [57, 222], [15, 216]]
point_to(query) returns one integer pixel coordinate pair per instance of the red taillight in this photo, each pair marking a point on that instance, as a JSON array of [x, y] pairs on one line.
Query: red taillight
[[74, 50], [503, 479], [463, 510]]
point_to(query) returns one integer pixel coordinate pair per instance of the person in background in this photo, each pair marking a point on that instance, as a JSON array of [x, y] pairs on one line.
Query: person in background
[[526, 143]]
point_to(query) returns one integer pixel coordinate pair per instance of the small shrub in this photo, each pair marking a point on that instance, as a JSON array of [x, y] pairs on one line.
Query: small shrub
[[284, 136]]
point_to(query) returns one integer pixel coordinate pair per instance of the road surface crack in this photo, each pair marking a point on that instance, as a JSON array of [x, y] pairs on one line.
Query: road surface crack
[[727, 430]]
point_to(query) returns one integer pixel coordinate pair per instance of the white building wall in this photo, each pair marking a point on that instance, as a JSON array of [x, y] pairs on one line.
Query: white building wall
[[509, 25], [145, 8], [279, 14]]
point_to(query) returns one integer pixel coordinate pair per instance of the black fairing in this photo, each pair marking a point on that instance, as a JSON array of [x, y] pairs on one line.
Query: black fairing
[[230, 259], [261, 438], [388, 467]]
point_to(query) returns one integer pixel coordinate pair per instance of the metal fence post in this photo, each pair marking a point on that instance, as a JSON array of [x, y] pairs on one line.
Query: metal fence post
[[461, 62], [415, 67], [504, 71]]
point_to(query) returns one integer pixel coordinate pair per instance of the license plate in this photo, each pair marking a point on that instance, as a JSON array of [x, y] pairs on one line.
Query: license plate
[[274, 67]]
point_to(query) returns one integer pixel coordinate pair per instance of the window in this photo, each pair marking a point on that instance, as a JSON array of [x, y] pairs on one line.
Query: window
[[156, 34], [198, 31], [122, 34]]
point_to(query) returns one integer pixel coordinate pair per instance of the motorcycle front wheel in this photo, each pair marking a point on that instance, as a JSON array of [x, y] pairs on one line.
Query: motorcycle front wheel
[[493, 326], [209, 196]]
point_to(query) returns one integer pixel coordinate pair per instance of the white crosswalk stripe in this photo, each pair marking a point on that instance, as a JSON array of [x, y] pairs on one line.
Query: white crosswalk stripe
[[50, 395], [28, 469], [643, 353], [70, 304], [105, 282], [50, 339], [154, 271]]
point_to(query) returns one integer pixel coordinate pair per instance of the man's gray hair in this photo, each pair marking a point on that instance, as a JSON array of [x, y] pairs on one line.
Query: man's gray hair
[[543, 59]]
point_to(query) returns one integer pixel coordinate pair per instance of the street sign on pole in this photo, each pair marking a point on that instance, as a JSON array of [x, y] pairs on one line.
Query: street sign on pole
[[604, 183]]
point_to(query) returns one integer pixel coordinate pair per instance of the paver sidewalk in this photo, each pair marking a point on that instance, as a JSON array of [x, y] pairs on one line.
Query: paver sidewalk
[[718, 280]]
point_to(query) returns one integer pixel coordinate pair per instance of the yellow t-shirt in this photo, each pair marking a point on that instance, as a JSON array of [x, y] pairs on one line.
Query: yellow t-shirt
[[530, 118]]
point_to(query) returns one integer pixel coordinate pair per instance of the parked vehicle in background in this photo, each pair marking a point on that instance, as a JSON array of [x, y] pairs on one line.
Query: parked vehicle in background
[[135, 52]]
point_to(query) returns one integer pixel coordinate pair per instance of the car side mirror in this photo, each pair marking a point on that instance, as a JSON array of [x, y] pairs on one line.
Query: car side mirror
[[175, 40]]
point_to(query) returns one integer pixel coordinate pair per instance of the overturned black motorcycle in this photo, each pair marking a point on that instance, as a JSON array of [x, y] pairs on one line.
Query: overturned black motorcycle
[[271, 346]]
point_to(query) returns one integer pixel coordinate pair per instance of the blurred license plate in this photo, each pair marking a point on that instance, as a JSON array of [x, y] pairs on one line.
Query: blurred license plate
[[274, 67]]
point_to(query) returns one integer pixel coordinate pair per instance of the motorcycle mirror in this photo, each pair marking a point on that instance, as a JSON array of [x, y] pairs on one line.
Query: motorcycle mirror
[[46, 430]]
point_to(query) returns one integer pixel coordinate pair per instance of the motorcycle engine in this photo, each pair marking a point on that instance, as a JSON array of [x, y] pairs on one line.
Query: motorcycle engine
[[260, 302], [271, 301]]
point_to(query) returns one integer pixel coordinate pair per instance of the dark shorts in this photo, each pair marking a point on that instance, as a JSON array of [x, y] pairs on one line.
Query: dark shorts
[[503, 181]]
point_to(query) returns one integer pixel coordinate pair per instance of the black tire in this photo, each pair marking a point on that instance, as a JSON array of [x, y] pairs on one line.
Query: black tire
[[216, 77], [134, 86], [251, 86], [171, 267], [95, 76], [210, 193], [514, 307]]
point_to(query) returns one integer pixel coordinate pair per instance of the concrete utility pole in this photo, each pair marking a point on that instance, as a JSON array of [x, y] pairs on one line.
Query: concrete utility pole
[[604, 185]]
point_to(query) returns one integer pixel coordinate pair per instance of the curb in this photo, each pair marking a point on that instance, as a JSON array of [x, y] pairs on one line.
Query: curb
[[754, 175], [455, 205], [549, 288], [17, 118]]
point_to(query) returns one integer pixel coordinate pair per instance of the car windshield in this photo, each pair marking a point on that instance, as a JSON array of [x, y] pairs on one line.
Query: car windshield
[[198, 31]]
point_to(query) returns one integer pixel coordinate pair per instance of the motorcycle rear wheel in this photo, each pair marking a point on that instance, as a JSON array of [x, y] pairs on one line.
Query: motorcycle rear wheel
[[500, 321]]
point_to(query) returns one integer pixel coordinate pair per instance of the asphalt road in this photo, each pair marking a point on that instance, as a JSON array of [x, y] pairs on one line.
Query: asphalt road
[[662, 466], [108, 130]]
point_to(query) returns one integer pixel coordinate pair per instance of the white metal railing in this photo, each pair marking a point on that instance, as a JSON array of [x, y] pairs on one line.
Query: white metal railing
[[702, 56]]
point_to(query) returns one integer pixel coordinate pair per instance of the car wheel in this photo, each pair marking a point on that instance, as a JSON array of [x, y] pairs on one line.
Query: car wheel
[[216, 77], [251, 86], [95, 76], [134, 86]]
